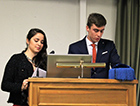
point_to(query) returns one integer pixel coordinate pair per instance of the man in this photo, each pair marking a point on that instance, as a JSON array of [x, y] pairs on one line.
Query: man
[[105, 49]]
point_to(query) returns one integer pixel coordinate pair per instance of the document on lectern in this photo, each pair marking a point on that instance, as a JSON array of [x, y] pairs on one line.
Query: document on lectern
[[39, 73]]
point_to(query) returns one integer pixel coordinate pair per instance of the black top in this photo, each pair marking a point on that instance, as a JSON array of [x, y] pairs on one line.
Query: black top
[[17, 69]]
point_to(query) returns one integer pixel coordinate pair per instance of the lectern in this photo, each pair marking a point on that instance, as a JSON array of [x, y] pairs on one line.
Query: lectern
[[81, 92]]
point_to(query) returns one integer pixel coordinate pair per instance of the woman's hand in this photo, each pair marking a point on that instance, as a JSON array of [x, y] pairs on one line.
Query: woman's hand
[[24, 85]]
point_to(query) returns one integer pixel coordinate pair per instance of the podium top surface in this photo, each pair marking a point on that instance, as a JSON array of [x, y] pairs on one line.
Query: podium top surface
[[81, 80]]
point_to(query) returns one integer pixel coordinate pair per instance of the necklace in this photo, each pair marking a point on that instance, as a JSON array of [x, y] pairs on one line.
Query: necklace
[[30, 59]]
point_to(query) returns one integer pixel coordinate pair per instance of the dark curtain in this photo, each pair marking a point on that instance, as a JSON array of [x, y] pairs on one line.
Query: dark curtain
[[127, 36]]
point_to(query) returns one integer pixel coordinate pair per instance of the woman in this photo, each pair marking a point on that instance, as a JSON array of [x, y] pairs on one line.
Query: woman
[[22, 65]]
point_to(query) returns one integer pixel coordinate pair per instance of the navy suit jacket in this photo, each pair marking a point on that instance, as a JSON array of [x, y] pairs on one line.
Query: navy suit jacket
[[107, 53]]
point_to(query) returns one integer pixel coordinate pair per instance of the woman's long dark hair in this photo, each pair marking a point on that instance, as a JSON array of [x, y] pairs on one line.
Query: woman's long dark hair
[[41, 58]]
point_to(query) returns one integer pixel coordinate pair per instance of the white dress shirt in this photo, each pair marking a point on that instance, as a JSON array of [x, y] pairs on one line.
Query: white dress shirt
[[89, 47]]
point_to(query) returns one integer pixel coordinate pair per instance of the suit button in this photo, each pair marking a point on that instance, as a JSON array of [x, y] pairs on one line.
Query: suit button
[[95, 73]]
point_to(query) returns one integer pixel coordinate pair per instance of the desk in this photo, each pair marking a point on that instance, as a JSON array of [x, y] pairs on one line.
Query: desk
[[81, 92]]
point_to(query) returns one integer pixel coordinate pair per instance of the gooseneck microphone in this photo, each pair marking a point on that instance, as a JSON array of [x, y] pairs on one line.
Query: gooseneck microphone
[[37, 72]]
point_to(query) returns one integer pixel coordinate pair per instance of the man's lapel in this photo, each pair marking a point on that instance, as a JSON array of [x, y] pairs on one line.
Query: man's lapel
[[83, 46], [101, 46]]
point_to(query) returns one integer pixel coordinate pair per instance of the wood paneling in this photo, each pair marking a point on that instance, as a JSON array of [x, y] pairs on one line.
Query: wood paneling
[[81, 92]]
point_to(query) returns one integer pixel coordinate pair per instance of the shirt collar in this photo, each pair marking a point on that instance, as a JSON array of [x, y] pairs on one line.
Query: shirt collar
[[89, 42]]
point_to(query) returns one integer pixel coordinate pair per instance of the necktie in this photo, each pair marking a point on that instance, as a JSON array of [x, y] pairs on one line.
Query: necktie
[[93, 53]]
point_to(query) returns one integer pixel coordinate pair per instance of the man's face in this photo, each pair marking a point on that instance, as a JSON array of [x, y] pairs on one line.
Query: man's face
[[95, 33]]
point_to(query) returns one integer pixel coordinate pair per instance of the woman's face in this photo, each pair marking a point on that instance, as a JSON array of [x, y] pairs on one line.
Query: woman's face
[[35, 44]]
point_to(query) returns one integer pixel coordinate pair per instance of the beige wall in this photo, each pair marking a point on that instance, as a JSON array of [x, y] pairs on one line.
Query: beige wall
[[108, 9], [59, 19]]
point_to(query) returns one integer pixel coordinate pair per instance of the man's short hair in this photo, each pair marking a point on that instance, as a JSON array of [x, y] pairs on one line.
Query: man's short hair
[[97, 19]]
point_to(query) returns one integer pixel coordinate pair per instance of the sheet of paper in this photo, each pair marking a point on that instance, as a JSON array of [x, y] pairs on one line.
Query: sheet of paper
[[42, 73]]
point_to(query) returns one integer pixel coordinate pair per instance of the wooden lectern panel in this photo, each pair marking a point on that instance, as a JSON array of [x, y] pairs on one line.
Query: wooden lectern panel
[[81, 92]]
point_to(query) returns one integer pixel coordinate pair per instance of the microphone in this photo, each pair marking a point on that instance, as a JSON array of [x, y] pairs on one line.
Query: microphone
[[37, 72], [52, 52]]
